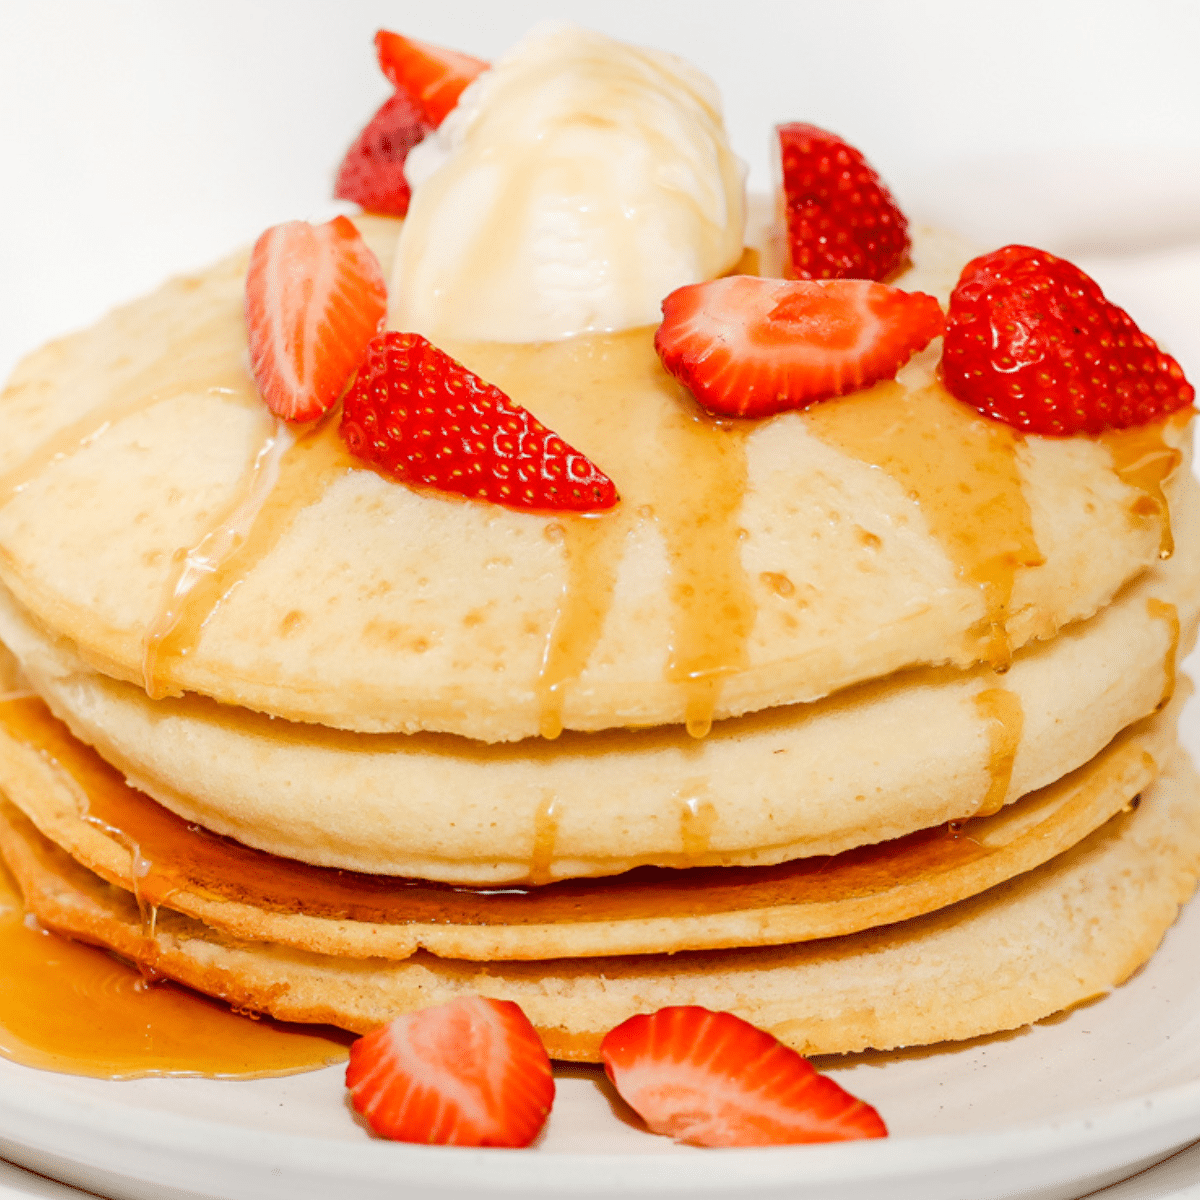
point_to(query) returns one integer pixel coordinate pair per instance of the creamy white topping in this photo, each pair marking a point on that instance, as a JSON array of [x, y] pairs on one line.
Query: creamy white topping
[[576, 183]]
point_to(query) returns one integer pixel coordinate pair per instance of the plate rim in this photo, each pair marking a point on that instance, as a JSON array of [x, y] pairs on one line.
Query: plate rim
[[1153, 1122]]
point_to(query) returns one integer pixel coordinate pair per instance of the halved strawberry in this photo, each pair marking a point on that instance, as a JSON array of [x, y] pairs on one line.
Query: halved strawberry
[[469, 1073], [432, 76], [315, 297], [749, 347], [712, 1079], [422, 417], [842, 220], [1032, 341], [372, 173]]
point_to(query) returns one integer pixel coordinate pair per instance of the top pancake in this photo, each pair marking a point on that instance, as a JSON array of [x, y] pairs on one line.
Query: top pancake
[[749, 564]]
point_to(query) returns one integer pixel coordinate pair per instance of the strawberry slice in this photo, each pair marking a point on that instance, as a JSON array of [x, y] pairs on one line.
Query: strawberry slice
[[315, 297], [749, 347], [1033, 342], [842, 220], [469, 1073], [712, 1079], [433, 77], [372, 173], [425, 419]]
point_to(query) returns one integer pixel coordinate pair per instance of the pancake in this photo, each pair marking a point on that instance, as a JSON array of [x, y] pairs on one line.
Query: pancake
[[1051, 938], [79, 802], [749, 565], [779, 785]]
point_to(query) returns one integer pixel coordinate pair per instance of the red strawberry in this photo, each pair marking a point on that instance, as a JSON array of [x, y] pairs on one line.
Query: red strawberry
[[422, 417], [469, 1073], [712, 1079], [842, 221], [749, 347], [1031, 341], [372, 173], [315, 297], [433, 77]]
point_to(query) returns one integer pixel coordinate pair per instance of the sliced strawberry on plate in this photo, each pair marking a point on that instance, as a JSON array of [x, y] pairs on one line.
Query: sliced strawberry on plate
[[1033, 342], [842, 221], [315, 297], [372, 173], [432, 76], [712, 1079], [425, 419], [749, 347], [469, 1073]]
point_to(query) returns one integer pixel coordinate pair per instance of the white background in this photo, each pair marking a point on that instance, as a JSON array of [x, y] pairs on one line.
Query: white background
[[138, 140], [142, 139]]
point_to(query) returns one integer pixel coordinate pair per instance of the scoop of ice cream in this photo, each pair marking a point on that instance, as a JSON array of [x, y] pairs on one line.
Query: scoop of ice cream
[[577, 183]]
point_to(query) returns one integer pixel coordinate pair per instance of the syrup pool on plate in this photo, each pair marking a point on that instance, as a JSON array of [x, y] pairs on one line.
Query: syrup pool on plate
[[66, 1006]]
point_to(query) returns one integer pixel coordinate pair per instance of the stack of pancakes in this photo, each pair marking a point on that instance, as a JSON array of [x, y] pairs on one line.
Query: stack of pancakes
[[857, 722]]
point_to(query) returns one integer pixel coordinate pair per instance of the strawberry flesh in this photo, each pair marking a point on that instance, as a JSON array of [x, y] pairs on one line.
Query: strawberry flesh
[[750, 347], [315, 297], [469, 1073], [1033, 342], [842, 221], [372, 173], [433, 77], [424, 419], [712, 1079]]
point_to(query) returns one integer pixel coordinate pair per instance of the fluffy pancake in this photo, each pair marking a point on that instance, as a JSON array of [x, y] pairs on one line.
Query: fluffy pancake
[[886, 529], [1051, 938], [80, 803], [778, 785]]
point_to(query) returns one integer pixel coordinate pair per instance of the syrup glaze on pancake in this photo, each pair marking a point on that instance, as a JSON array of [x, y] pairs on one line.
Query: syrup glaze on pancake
[[288, 475], [72, 794], [963, 473], [751, 564], [12, 682], [1142, 459]]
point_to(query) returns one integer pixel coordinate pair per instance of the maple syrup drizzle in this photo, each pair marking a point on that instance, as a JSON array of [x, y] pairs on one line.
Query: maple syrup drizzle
[[961, 470], [216, 547], [259, 517], [1006, 718], [673, 466], [545, 834], [749, 264], [82, 784], [697, 819], [710, 593], [1161, 610], [1143, 459], [11, 679], [74, 1008], [591, 550]]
